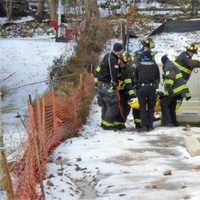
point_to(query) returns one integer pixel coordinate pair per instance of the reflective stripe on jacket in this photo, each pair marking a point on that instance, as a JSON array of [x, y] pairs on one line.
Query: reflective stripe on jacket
[[174, 83]]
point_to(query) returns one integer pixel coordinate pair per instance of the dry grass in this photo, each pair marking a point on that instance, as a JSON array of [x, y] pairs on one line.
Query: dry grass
[[86, 55]]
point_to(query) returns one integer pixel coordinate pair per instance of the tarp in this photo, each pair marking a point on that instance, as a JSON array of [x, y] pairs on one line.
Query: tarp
[[178, 26]]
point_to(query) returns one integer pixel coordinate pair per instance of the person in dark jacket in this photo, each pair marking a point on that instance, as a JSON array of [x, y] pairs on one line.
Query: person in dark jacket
[[147, 79], [127, 89], [147, 46], [185, 62], [107, 78], [175, 89]]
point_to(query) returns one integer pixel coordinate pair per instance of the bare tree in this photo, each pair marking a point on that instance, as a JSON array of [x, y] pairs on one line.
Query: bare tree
[[91, 9], [9, 9], [40, 10], [195, 7]]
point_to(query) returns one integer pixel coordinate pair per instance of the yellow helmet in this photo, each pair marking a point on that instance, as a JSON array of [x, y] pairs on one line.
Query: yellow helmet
[[134, 104], [126, 57], [148, 42], [192, 47]]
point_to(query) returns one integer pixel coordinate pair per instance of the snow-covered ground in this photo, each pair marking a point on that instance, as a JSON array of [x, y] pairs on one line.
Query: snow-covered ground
[[28, 62], [108, 165], [143, 5], [4, 20]]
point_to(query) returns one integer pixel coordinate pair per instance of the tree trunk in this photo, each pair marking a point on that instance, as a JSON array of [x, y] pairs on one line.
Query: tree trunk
[[53, 15], [40, 10], [91, 9], [195, 6], [9, 9]]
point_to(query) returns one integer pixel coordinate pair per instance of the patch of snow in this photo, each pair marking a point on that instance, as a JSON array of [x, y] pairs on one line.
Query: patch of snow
[[23, 19], [4, 20], [28, 61], [2, 195]]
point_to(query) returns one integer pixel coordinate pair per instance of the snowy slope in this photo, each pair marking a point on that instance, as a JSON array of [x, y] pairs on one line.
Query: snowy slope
[[29, 61], [107, 165]]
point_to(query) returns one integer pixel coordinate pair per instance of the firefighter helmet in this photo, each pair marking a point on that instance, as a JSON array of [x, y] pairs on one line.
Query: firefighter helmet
[[192, 48], [117, 47], [126, 56], [148, 42]]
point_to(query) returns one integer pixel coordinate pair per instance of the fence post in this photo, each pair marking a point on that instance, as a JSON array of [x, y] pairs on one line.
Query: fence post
[[37, 148], [54, 110], [4, 170]]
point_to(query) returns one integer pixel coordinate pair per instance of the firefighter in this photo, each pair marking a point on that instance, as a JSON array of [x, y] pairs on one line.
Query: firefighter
[[175, 89], [147, 46], [185, 62], [147, 79], [107, 78], [127, 88]]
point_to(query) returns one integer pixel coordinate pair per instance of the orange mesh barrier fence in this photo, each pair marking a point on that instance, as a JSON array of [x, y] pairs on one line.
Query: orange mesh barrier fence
[[51, 119]]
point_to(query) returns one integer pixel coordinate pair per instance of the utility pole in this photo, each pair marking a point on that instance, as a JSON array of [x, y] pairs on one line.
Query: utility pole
[[6, 179], [59, 17]]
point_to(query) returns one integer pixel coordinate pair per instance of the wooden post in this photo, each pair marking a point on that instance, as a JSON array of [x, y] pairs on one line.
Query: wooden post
[[59, 17], [6, 179], [37, 151], [53, 15]]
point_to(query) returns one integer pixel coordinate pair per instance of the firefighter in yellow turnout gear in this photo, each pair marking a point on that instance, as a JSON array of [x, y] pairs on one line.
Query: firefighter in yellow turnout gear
[[175, 89], [185, 62], [127, 89], [107, 79]]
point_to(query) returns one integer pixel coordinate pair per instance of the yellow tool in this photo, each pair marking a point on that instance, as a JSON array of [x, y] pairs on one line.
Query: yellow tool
[[134, 104]]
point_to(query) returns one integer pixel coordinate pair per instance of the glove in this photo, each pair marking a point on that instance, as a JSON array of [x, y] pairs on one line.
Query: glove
[[187, 98], [133, 103], [178, 103], [160, 94]]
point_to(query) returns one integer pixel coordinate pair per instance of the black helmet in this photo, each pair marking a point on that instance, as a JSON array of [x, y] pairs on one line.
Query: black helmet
[[148, 42], [117, 47], [192, 48], [164, 59]]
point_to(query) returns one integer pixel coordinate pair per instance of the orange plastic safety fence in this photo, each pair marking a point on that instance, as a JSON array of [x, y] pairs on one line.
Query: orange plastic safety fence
[[51, 119]]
